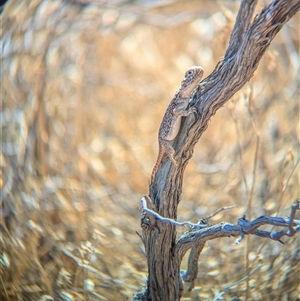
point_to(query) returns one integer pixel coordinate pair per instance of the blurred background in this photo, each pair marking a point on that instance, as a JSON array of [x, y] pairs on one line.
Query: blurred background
[[84, 87]]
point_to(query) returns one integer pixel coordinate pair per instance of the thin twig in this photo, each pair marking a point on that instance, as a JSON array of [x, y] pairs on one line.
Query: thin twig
[[218, 211], [167, 220]]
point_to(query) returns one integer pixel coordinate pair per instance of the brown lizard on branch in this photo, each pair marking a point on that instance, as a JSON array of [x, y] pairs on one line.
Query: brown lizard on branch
[[177, 108]]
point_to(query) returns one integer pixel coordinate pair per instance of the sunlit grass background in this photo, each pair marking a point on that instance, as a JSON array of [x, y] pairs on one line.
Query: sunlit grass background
[[84, 88]]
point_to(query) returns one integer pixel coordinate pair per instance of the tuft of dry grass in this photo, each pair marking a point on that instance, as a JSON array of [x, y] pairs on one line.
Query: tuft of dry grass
[[84, 88]]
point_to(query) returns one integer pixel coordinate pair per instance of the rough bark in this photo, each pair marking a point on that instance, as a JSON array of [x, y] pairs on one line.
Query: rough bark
[[247, 44]]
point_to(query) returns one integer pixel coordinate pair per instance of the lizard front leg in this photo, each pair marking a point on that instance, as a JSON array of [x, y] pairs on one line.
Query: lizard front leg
[[169, 150]]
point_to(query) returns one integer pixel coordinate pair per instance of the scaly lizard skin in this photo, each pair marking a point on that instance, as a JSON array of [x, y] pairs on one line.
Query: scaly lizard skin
[[177, 108]]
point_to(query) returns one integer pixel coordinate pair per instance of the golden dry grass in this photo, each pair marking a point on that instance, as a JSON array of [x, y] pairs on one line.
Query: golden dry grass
[[84, 89]]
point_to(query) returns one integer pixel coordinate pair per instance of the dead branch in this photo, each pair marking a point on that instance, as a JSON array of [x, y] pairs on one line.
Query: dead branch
[[243, 227], [218, 211], [196, 239], [247, 44]]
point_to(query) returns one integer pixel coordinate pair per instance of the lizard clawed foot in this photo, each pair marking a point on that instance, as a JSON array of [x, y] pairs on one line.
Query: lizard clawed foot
[[173, 160]]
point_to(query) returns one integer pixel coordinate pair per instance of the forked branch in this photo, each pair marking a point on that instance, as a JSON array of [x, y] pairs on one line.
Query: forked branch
[[196, 240], [199, 234], [242, 228], [249, 40]]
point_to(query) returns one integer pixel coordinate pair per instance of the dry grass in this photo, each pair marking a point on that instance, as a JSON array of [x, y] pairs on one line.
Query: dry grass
[[84, 89]]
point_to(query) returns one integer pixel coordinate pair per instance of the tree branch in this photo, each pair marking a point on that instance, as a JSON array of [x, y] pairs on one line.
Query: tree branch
[[243, 227], [241, 58], [241, 25], [196, 238], [192, 271], [247, 44], [246, 47]]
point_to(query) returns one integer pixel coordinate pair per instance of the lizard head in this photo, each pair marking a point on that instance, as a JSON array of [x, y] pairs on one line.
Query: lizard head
[[191, 79]]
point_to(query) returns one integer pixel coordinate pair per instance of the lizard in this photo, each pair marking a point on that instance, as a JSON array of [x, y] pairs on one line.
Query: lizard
[[171, 121]]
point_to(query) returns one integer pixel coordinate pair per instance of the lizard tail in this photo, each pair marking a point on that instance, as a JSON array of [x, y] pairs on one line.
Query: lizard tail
[[158, 161]]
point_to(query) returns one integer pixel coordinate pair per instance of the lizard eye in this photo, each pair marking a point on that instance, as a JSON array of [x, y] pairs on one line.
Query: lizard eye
[[189, 73]]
